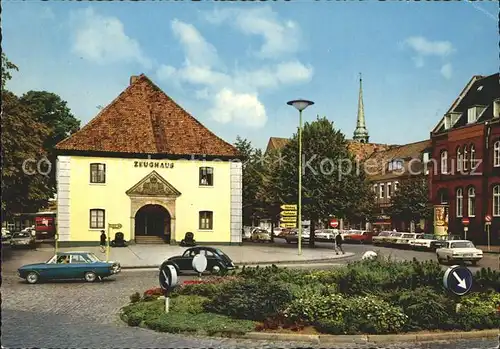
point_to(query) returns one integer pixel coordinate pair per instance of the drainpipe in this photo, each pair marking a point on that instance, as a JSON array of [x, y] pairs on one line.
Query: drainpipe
[[485, 176]]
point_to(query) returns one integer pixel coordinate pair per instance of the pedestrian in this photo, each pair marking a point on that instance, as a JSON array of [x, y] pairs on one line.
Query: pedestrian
[[103, 241], [338, 243]]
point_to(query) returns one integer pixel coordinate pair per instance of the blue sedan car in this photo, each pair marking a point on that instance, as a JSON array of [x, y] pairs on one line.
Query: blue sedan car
[[69, 265]]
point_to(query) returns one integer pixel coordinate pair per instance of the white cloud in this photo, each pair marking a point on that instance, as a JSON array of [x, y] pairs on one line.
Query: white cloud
[[281, 37], [425, 47], [242, 108], [103, 40], [447, 70], [234, 94], [198, 51]]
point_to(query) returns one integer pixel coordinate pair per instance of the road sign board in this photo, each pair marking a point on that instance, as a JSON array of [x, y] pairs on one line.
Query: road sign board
[[289, 213], [465, 221], [289, 207], [487, 218], [115, 226], [288, 225], [288, 219], [458, 280], [334, 223]]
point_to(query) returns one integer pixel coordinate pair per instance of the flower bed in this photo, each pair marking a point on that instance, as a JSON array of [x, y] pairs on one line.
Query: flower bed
[[371, 297]]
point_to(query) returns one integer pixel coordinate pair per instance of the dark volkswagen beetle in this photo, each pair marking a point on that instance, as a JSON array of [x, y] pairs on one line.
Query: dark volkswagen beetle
[[217, 260]]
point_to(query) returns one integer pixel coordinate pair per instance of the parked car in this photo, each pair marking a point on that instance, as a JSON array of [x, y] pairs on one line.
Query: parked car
[[277, 231], [459, 250], [22, 239], [442, 239], [361, 237], [325, 234], [6, 234], [260, 235], [422, 241], [293, 236], [392, 238], [404, 240], [380, 239], [69, 265], [217, 260]]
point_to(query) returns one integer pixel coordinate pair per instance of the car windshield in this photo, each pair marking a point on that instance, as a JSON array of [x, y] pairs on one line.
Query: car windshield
[[92, 257], [384, 233], [21, 235], [396, 234], [428, 236], [219, 252], [407, 235], [462, 244]]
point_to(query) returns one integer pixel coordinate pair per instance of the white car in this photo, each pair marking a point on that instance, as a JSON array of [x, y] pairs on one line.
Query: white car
[[404, 240], [381, 237], [422, 242], [327, 234], [459, 250]]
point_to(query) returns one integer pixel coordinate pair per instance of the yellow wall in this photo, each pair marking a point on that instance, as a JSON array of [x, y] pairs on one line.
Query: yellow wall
[[121, 175]]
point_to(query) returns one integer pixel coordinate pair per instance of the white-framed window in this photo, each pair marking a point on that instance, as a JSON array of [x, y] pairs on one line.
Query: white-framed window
[[396, 186], [381, 191], [496, 154], [375, 188], [444, 162], [465, 162], [471, 202], [206, 220], [460, 159], [206, 176], [472, 114], [97, 218], [459, 202], [473, 161], [389, 188], [496, 200]]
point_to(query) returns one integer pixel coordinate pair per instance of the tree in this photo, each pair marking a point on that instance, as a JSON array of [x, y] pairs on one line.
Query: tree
[[7, 68], [48, 108], [252, 179], [23, 190], [411, 201], [332, 183]]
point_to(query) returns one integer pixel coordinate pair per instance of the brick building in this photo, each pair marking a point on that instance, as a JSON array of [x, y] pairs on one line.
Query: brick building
[[465, 173]]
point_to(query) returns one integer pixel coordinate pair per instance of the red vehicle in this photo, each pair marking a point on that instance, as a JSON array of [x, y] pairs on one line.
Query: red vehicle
[[45, 225], [359, 237]]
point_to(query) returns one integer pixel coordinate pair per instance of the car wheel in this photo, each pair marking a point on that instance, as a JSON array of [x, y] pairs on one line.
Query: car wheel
[[90, 276], [216, 269], [32, 278]]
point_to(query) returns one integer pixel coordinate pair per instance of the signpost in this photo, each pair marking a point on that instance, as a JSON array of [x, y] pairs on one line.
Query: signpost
[[465, 222], [288, 219], [458, 280], [168, 280], [487, 223], [334, 223]]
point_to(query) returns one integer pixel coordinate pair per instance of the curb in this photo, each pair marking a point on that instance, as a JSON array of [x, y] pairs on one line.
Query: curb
[[371, 339], [253, 264]]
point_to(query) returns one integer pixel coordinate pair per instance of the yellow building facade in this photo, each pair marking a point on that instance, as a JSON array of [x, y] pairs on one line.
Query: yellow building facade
[[146, 164]]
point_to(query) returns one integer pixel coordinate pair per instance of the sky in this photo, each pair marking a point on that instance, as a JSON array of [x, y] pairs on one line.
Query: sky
[[234, 65]]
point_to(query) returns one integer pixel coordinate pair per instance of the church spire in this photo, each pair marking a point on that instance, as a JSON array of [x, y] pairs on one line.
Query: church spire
[[361, 132]]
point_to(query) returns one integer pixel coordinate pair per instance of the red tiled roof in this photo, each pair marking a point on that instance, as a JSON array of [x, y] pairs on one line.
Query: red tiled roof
[[144, 120], [361, 151]]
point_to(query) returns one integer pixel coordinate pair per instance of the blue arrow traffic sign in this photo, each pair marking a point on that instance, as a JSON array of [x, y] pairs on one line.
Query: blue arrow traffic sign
[[458, 280]]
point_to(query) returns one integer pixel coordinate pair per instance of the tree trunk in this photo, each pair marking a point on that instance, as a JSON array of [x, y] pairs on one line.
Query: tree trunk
[[273, 218], [312, 228]]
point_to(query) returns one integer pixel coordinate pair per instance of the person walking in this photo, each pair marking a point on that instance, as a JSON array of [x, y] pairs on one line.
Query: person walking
[[338, 243], [102, 244]]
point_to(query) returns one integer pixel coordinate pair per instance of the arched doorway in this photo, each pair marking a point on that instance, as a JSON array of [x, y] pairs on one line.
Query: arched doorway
[[153, 221]]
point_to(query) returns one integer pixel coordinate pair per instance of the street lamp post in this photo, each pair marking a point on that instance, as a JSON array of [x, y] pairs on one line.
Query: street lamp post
[[300, 105]]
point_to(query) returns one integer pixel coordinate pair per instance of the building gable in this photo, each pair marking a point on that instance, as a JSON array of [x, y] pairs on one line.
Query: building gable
[[153, 185]]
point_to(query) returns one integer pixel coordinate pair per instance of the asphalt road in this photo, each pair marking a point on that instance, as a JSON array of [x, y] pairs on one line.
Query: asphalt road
[[79, 314]]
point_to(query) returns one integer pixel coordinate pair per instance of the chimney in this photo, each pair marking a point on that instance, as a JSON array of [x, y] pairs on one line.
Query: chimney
[[133, 79]]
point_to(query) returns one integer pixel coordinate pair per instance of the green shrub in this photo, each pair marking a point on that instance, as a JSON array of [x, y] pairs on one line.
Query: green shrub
[[188, 304], [249, 299], [478, 311], [134, 313], [136, 297], [199, 323], [426, 309], [312, 305], [487, 280], [276, 274]]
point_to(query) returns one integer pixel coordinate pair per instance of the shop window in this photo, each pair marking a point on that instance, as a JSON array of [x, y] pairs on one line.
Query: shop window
[[97, 218], [206, 220], [97, 173], [206, 176]]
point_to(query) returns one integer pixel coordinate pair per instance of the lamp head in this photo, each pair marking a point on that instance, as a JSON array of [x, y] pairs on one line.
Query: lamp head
[[300, 104]]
